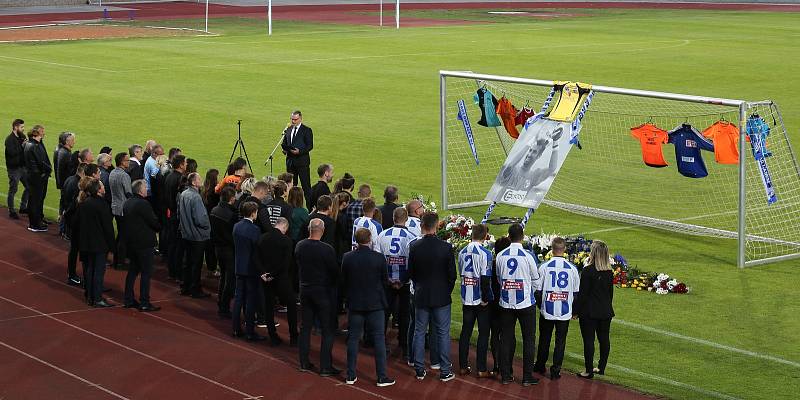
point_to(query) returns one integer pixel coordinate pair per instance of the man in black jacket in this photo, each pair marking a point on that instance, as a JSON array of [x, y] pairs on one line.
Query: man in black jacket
[[259, 196], [323, 212], [432, 269], [62, 165], [298, 141], [275, 249], [365, 275], [319, 271], [248, 272], [390, 197], [38, 170], [171, 189], [15, 166], [141, 225], [325, 172], [136, 166], [222, 218]]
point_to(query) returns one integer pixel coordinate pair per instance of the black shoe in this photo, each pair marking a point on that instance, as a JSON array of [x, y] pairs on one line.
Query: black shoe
[[134, 304], [23, 211], [382, 382], [37, 228], [539, 369], [106, 290], [447, 377], [46, 221], [329, 372], [184, 292], [293, 341], [102, 304], [529, 381], [13, 215], [309, 367], [74, 281], [466, 370], [587, 376], [506, 380], [237, 334], [421, 374], [200, 295], [255, 337], [149, 308], [555, 373]]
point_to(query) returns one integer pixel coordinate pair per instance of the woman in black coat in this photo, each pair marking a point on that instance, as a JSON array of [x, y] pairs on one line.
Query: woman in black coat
[[593, 307], [96, 238]]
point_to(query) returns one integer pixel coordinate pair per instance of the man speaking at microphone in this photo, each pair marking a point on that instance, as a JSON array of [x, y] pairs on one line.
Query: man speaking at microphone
[[298, 140]]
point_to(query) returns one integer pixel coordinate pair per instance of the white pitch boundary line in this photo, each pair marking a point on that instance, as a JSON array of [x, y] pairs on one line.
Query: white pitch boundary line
[[634, 226], [63, 371], [707, 343], [57, 64], [131, 349]]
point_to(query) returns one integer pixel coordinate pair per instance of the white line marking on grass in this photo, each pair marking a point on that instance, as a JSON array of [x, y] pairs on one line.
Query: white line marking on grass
[[634, 226], [264, 355], [58, 64], [667, 381], [131, 349], [707, 343], [90, 383]]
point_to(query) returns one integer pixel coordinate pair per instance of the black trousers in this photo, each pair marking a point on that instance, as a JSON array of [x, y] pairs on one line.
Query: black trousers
[[600, 328], [495, 335], [305, 181], [227, 278], [280, 288], [72, 258], [94, 274], [316, 305], [471, 314], [210, 255], [401, 296], [141, 263], [37, 190], [546, 327], [527, 324], [245, 296], [193, 266], [119, 252], [174, 248]]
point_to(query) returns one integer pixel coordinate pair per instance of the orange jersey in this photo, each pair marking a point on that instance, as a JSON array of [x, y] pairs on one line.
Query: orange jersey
[[725, 136], [508, 114], [230, 179], [651, 138]]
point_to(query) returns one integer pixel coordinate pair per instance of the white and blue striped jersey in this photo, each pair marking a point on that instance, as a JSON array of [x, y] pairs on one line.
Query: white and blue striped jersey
[[374, 228], [518, 277], [475, 263], [393, 244], [559, 281], [414, 225]]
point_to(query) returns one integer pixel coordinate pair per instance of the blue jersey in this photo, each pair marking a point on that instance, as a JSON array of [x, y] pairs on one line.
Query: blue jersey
[[150, 170], [688, 143], [374, 228], [559, 281], [393, 243], [518, 277], [414, 225], [757, 131], [475, 264]]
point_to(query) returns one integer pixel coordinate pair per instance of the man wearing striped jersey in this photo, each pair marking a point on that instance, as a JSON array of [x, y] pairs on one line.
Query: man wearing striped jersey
[[367, 222], [475, 265], [518, 277], [393, 243], [415, 210], [559, 281]]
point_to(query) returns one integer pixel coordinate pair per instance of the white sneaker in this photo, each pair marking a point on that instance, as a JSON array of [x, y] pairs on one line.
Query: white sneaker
[[351, 381], [436, 366]]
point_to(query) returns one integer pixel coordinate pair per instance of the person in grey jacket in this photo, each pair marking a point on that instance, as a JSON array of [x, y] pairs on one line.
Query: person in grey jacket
[[120, 187], [195, 229]]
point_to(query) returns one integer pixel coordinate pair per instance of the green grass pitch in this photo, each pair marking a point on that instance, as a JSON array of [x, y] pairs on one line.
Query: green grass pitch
[[371, 96]]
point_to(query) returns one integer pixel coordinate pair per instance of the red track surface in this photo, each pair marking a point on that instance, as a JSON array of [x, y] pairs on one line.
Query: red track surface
[[53, 346], [353, 13]]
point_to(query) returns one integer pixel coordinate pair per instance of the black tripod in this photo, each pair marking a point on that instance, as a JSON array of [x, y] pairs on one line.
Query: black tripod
[[240, 145]]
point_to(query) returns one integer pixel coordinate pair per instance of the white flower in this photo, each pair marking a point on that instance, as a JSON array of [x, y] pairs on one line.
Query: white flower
[[662, 291], [433, 205], [450, 225], [671, 284]]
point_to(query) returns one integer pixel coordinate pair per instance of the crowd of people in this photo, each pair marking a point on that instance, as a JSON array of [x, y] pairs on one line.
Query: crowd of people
[[312, 252]]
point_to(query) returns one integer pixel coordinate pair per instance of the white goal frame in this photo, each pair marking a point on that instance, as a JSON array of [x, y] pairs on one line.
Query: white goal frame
[[741, 105]]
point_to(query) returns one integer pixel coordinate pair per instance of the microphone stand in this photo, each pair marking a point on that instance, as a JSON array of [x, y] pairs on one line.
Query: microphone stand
[[272, 154]]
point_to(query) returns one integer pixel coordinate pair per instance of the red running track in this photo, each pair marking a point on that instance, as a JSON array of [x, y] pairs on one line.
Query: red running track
[[53, 346]]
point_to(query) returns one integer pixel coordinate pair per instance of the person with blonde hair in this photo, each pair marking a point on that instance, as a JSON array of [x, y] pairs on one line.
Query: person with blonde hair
[[593, 306]]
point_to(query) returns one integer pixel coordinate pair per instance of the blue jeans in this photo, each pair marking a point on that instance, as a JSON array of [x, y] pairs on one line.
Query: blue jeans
[[375, 326], [432, 345], [439, 319], [15, 176]]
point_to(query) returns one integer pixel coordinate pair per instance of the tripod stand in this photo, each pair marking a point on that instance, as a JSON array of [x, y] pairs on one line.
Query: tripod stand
[[240, 145]]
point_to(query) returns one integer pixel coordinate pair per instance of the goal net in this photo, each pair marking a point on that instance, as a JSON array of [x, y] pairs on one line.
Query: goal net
[[607, 177]]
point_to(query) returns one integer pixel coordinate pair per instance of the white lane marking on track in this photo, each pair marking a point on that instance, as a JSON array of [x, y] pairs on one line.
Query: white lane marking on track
[[706, 343], [63, 371], [73, 312], [58, 64], [131, 349]]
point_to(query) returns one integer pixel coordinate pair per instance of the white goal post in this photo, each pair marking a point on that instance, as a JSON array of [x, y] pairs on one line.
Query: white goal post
[[607, 178]]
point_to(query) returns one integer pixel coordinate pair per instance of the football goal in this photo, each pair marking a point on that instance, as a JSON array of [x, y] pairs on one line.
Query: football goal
[[694, 165]]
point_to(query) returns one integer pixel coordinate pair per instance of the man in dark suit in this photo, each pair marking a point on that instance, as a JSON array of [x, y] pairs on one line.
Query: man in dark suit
[[365, 276], [319, 271], [223, 217], [298, 141], [38, 170], [325, 172], [136, 168], [390, 197], [248, 272], [275, 249], [432, 268], [140, 228]]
